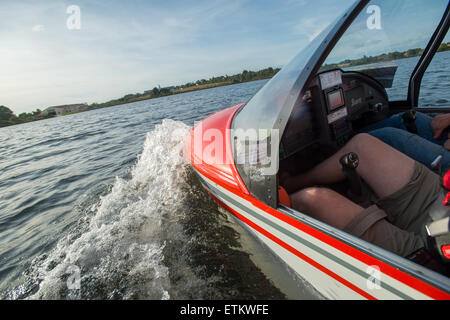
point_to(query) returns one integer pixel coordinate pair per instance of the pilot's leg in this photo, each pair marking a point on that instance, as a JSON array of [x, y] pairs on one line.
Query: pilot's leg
[[406, 190], [368, 224], [422, 122], [394, 121], [385, 169], [414, 146], [325, 205]]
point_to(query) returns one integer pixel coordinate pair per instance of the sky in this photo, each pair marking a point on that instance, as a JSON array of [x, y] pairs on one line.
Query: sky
[[51, 55], [402, 25], [124, 47]]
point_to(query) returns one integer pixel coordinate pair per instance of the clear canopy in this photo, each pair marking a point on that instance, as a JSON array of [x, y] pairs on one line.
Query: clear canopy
[[382, 29], [388, 33], [258, 125]]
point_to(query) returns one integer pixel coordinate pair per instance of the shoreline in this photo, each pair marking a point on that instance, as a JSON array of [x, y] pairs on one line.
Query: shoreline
[[186, 90], [245, 76], [143, 98]]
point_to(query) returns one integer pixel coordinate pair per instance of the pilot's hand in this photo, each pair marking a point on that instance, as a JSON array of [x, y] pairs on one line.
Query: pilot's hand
[[447, 143], [439, 124]]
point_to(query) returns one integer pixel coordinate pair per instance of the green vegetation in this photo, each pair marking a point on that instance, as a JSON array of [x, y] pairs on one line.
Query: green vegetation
[[444, 47], [8, 118], [381, 58], [245, 76]]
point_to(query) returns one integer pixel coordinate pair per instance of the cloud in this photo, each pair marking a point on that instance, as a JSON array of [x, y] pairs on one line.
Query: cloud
[[311, 27], [38, 28], [133, 46]]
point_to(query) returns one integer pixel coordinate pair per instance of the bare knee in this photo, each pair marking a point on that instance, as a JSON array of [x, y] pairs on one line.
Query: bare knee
[[361, 142], [309, 198], [325, 205]]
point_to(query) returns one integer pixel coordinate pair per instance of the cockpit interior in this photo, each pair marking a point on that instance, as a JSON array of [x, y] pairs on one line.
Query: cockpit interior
[[336, 106]]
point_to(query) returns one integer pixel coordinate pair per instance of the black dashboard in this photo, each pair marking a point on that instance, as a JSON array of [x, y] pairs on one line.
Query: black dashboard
[[336, 106]]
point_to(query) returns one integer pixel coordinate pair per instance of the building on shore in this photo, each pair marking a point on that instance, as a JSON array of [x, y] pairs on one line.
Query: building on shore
[[68, 108]]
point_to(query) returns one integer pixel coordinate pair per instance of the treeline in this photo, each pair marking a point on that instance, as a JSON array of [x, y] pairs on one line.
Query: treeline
[[396, 55], [8, 118], [444, 47], [157, 92], [244, 76]]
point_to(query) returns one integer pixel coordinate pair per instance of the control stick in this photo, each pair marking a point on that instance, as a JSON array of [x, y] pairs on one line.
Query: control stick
[[349, 162]]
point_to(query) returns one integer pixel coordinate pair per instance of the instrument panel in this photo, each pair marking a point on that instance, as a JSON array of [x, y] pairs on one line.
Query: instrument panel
[[336, 106]]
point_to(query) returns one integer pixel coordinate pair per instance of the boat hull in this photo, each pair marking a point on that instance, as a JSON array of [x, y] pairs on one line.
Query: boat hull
[[337, 269]]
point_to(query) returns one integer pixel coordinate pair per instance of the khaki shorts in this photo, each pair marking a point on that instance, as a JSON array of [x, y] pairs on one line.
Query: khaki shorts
[[397, 222]]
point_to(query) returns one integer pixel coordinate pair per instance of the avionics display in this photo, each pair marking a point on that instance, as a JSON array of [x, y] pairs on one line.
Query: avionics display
[[335, 99]]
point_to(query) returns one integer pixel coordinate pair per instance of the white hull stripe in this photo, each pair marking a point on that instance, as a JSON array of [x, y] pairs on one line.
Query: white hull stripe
[[228, 199]]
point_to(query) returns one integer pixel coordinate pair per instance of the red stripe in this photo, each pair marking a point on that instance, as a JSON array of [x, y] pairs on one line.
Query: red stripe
[[387, 269], [294, 251], [403, 277]]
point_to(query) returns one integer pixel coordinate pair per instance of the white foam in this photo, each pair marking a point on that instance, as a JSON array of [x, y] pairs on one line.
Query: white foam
[[119, 250]]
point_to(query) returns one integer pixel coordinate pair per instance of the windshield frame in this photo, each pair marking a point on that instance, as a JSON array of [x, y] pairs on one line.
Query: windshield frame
[[425, 59]]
